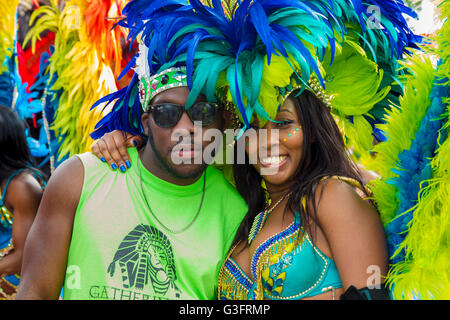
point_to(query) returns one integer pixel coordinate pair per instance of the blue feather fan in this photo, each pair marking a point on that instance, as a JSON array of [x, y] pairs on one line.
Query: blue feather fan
[[414, 168]]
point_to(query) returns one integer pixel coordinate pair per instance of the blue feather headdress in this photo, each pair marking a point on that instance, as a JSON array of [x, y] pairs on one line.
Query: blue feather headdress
[[253, 53]]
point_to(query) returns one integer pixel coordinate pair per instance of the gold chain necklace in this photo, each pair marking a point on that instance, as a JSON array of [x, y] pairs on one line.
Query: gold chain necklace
[[154, 215]]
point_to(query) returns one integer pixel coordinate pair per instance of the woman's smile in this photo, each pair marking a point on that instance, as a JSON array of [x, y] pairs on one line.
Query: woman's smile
[[273, 161]]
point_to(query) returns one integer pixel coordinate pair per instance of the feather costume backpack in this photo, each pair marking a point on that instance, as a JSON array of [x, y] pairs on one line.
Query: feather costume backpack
[[413, 194], [81, 68], [13, 91]]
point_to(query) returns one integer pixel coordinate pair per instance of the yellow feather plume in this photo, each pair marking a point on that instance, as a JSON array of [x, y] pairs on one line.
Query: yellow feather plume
[[7, 29], [82, 73]]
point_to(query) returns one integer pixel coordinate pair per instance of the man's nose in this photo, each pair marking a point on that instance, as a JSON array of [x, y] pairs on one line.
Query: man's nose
[[185, 124]]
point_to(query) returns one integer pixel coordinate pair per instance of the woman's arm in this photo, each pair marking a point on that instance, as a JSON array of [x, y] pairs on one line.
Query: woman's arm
[[355, 235], [23, 197]]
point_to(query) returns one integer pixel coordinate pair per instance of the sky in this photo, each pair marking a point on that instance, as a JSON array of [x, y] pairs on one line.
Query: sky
[[428, 21]]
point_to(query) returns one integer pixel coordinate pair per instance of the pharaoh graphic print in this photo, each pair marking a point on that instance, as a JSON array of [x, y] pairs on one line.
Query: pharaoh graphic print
[[145, 259]]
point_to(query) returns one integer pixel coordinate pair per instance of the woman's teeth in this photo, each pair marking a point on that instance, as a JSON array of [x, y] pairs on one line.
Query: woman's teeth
[[273, 160]]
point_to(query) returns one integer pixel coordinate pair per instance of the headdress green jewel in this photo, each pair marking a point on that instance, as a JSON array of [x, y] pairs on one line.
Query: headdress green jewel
[[167, 79]]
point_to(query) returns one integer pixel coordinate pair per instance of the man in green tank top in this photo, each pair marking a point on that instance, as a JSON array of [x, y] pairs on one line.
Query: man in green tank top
[[160, 231]]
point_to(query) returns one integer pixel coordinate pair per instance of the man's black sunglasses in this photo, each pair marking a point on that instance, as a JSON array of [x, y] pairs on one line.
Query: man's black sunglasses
[[167, 115]]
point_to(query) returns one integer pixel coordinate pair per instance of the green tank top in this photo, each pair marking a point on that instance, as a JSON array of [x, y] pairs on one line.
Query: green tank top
[[119, 251]]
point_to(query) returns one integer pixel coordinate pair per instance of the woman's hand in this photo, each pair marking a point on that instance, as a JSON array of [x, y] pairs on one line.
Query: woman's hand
[[112, 148]]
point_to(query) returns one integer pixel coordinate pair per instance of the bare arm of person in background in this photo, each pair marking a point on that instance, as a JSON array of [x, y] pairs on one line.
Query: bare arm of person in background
[[22, 198], [47, 245]]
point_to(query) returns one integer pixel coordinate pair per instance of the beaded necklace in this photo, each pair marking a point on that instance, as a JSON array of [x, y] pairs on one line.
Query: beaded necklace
[[258, 223]]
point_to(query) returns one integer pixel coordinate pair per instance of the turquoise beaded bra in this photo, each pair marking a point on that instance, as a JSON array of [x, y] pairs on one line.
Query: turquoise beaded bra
[[286, 266]]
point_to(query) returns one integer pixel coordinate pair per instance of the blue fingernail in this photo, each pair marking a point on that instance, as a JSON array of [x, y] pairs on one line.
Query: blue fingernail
[[103, 159], [114, 166], [135, 143], [128, 163], [122, 168]]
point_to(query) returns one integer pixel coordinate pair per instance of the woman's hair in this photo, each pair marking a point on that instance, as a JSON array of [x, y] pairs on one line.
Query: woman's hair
[[323, 155], [15, 153]]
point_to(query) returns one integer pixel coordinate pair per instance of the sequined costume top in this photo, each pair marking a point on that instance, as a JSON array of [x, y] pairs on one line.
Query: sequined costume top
[[286, 266]]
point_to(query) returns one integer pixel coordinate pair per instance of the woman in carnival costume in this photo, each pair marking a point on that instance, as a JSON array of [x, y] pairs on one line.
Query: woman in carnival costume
[[20, 184], [284, 65]]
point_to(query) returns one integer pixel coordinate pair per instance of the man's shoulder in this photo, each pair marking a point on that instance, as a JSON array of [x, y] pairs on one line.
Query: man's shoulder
[[85, 167], [72, 165], [65, 182], [91, 162], [93, 165], [88, 158]]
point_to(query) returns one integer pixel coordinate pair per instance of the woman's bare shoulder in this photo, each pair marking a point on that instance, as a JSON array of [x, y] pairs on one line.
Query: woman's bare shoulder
[[337, 199], [23, 188]]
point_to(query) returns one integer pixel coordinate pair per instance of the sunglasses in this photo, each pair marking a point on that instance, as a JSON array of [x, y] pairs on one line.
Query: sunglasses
[[167, 115]]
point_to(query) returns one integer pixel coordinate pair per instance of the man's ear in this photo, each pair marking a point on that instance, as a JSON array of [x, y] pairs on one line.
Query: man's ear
[[144, 121]]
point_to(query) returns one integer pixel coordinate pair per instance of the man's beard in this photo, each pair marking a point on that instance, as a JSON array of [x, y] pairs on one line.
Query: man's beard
[[168, 167]]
